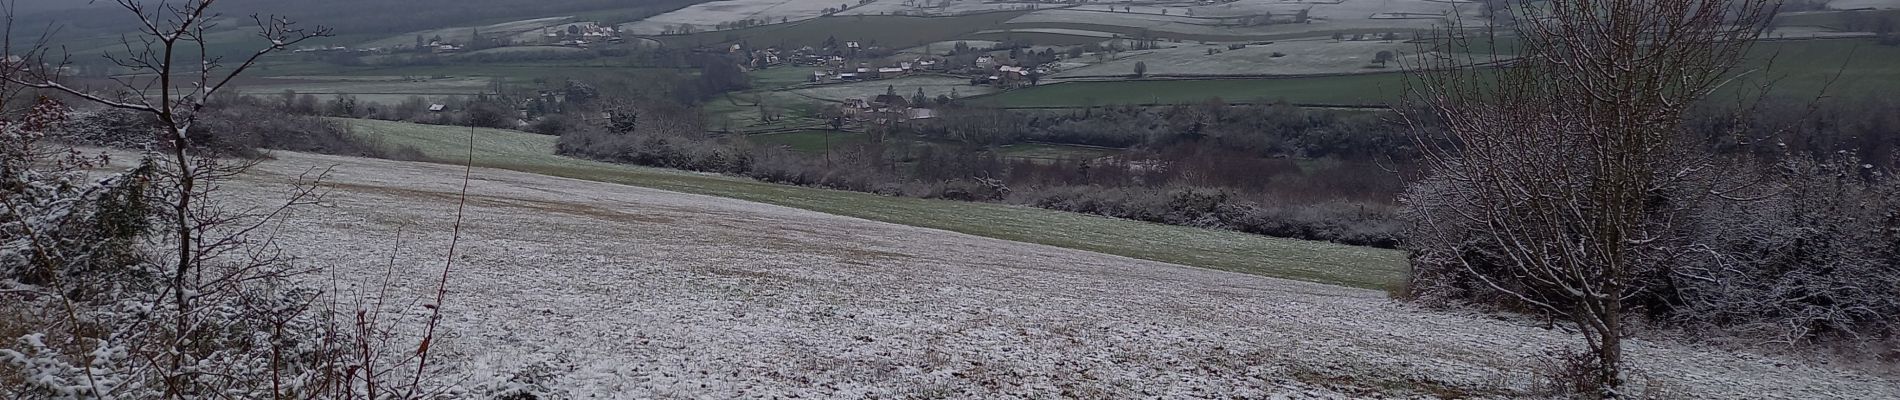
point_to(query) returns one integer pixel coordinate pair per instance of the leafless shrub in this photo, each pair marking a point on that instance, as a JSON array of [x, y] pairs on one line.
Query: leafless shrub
[[1567, 373], [1548, 169], [140, 285], [1815, 260]]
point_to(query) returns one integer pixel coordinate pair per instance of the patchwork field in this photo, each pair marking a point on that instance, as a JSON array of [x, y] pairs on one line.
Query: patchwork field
[[566, 288]]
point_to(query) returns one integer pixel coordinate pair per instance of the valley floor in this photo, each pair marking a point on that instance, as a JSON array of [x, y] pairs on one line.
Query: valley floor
[[578, 289]]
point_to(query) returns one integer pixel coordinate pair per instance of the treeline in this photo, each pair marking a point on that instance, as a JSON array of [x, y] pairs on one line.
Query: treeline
[[233, 125], [1276, 169], [548, 106]]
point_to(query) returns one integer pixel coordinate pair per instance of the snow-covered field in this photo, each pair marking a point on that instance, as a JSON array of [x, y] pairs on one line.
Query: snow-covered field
[[590, 290]]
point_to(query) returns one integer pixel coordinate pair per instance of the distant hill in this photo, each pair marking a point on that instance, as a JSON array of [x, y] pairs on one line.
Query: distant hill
[[38, 6], [76, 17]]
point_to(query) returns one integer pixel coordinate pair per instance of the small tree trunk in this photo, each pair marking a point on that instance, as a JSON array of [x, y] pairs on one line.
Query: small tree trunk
[[1609, 351], [1610, 367]]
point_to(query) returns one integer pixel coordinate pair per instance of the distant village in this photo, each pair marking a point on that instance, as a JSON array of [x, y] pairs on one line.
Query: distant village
[[1005, 66], [848, 61]]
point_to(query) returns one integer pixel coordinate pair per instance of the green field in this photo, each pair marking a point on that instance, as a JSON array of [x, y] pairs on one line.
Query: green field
[[895, 32], [1799, 68], [739, 112], [780, 77], [1041, 38], [1321, 262], [1834, 20], [809, 141], [590, 69], [1052, 152], [1368, 89]]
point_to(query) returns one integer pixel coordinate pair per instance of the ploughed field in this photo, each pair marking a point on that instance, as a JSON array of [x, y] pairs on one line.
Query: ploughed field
[[574, 289]]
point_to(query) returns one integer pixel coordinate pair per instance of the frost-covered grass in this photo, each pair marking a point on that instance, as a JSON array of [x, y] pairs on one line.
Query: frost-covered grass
[[567, 288], [1330, 263]]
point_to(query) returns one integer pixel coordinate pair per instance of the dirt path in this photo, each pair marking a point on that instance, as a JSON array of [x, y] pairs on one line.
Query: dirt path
[[581, 289]]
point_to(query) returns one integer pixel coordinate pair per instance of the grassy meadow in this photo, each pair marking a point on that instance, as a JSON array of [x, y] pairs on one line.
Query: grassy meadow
[[1366, 89], [808, 141]]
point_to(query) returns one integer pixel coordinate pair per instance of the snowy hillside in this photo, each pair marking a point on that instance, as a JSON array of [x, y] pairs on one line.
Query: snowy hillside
[[576, 289]]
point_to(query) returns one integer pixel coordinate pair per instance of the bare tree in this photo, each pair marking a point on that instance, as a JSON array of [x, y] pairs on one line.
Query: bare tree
[[173, 76], [1556, 158]]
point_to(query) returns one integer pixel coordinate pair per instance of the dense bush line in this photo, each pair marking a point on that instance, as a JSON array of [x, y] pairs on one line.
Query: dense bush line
[[1351, 223], [939, 173], [1797, 243], [240, 126]]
